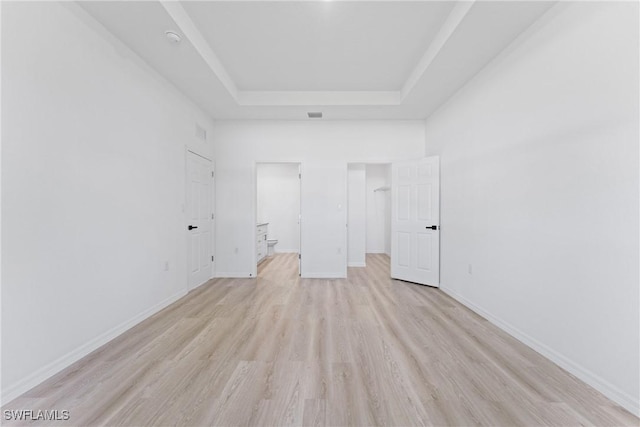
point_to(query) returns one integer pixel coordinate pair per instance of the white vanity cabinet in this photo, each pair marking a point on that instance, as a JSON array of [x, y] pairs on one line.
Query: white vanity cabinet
[[261, 243]]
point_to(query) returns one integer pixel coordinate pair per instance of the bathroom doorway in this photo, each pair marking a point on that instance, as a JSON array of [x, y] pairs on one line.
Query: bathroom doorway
[[278, 211]]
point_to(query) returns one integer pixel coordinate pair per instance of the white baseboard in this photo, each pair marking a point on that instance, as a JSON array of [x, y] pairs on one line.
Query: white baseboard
[[234, 275], [612, 392], [376, 251], [59, 364], [357, 264], [323, 276]]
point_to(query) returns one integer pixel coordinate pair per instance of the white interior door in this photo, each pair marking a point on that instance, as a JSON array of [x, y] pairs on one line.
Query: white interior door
[[199, 219], [415, 221]]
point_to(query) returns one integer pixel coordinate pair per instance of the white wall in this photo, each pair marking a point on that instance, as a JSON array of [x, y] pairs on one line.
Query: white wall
[[324, 148], [378, 209], [93, 158], [357, 215], [279, 203], [540, 192]]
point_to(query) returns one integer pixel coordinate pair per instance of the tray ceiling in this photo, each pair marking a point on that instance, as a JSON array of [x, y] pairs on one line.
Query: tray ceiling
[[349, 59]]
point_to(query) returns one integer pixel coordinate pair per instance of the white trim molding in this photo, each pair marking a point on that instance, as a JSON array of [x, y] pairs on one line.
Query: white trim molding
[[592, 379], [234, 275], [324, 276], [73, 356]]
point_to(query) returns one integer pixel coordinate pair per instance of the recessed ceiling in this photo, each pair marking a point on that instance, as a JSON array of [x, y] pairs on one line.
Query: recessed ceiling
[[319, 46], [348, 59]]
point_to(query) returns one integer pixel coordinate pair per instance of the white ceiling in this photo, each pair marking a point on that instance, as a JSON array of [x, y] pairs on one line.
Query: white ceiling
[[348, 59], [318, 46]]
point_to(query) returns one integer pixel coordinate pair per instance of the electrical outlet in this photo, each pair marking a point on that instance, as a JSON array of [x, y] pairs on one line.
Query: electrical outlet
[[470, 269], [166, 266], [339, 251], [235, 251]]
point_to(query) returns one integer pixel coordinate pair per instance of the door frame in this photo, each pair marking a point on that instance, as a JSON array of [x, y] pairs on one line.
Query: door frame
[[254, 234], [212, 244], [346, 219]]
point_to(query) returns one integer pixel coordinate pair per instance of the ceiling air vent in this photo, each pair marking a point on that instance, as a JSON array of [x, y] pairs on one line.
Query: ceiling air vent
[[314, 114]]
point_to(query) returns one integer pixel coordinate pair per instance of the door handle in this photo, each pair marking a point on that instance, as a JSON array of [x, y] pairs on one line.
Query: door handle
[[191, 227], [433, 227]]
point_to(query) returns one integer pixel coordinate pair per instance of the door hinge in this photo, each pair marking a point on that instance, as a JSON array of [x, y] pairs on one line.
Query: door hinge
[[299, 176], [213, 216], [211, 258], [213, 174], [299, 256]]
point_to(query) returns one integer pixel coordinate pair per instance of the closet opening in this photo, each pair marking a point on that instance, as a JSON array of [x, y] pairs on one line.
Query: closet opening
[[368, 211]]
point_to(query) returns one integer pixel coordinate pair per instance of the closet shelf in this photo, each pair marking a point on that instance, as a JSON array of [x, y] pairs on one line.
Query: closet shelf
[[382, 189]]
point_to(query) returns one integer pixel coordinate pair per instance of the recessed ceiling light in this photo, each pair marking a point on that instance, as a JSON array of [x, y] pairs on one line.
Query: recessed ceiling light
[[173, 37], [315, 114]]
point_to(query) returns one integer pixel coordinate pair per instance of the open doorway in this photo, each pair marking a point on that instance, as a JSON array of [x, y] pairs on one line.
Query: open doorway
[[278, 203], [369, 211]]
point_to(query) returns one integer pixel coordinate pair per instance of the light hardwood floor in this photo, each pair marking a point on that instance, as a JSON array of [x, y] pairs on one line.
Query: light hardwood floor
[[281, 350]]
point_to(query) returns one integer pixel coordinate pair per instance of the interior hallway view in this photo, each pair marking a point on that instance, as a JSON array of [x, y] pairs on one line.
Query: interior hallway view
[[281, 350]]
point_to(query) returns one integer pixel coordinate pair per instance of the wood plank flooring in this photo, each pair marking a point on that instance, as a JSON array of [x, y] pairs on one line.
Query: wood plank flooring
[[280, 351]]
